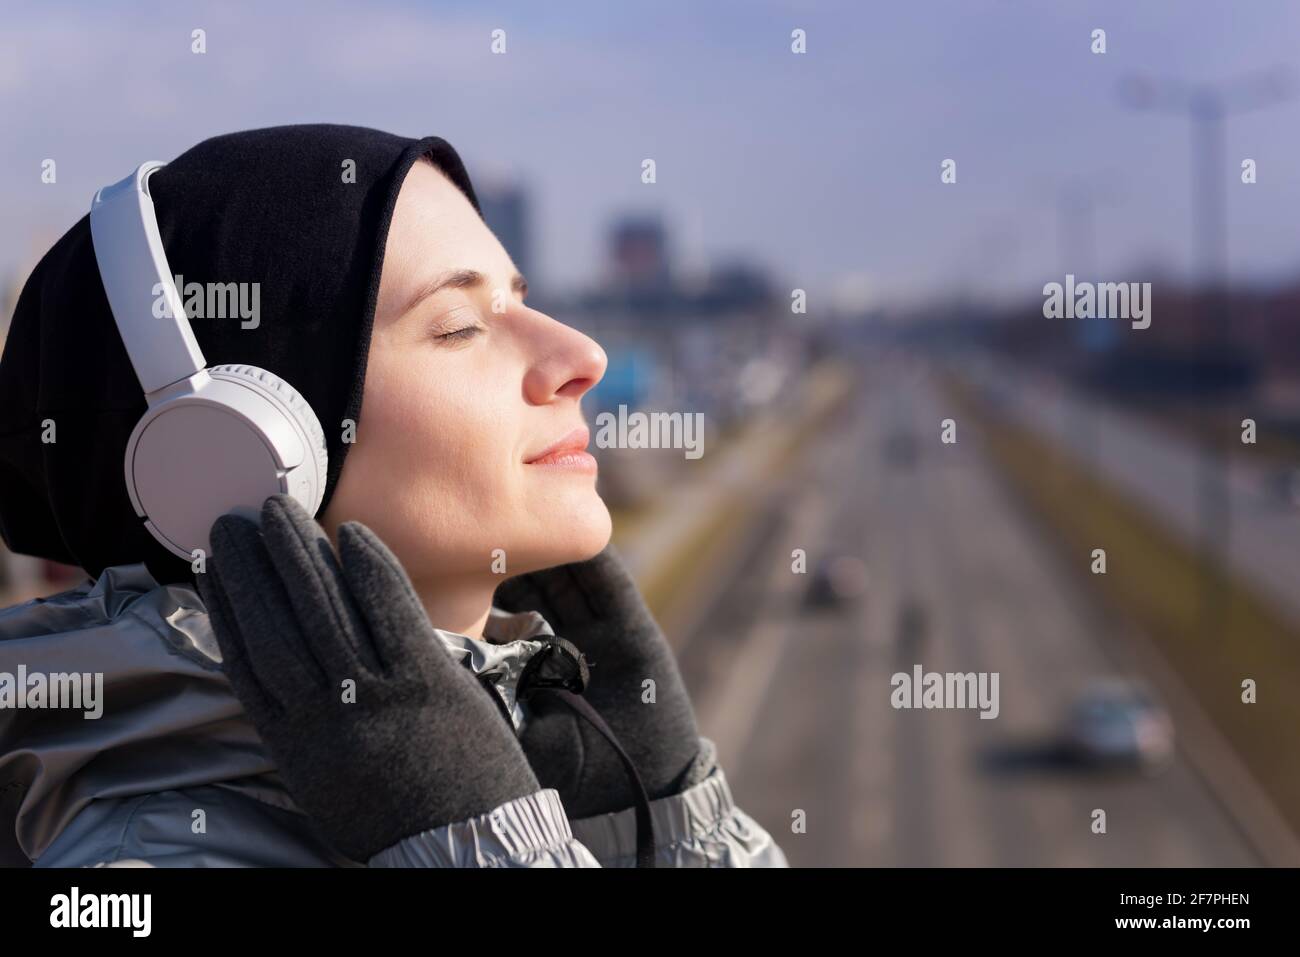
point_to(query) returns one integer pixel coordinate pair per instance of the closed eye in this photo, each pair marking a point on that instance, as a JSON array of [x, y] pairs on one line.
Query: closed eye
[[468, 332]]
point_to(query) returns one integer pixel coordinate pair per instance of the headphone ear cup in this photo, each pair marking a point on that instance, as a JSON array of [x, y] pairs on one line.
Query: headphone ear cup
[[300, 410], [236, 436]]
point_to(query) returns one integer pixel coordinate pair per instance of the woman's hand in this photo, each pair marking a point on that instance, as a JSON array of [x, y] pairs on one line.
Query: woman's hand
[[376, 731], [634, 684]]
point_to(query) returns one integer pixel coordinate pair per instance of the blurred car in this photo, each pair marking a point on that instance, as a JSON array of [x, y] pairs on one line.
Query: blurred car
[[1284, 485], [912, 626], [836, 580], [1117, 722], [902, 448]]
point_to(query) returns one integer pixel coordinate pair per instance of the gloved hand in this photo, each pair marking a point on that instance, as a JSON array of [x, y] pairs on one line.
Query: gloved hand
[[418, 745], [595, 605]]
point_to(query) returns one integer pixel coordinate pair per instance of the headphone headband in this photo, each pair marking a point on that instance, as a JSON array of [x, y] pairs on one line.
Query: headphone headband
[[214, 440], [132, 264]]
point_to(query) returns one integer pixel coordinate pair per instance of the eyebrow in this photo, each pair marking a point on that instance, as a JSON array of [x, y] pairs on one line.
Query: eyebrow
[[460, 279]]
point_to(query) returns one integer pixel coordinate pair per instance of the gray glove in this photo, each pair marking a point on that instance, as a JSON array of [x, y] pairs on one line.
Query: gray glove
[[596, 606], [423, 744]]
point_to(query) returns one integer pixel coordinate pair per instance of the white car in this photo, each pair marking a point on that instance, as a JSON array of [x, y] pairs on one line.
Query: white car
[[1115, 722]]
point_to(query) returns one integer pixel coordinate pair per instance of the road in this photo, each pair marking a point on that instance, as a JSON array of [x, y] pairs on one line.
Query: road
[[798, 700]]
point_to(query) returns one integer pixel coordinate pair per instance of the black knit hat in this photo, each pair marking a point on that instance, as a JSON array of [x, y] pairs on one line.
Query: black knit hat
[[303, 211]]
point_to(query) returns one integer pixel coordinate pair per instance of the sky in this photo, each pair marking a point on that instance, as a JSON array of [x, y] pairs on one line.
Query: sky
[[823, 167]]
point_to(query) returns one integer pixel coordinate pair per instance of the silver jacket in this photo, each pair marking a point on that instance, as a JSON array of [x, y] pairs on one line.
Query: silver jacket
[[172, 772]]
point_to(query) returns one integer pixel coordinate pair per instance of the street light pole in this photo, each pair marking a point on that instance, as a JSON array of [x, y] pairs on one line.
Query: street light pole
[[1209, 183], [1208, 108]]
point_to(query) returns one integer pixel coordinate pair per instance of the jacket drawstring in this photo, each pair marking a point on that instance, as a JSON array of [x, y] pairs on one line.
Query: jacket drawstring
[[559, 669]]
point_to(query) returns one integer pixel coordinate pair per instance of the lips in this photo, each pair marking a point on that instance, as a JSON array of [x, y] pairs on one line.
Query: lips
[[574, 443]]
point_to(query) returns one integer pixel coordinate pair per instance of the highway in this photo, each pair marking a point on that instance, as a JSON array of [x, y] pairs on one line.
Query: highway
[[798, 698]]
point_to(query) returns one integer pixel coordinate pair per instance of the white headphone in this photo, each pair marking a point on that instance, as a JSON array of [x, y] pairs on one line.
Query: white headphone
[[212, 440]]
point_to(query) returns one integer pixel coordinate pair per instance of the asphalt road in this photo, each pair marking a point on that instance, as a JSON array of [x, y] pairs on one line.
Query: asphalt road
[[798, 699]]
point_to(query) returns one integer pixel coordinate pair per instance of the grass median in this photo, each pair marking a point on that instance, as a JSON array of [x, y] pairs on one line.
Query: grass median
[[831, 386]]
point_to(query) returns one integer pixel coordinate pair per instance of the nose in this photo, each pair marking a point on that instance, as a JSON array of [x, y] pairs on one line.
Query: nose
[[568, 363]]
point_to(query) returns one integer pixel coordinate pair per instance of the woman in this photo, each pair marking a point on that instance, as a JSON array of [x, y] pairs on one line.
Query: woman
[[401, 702]]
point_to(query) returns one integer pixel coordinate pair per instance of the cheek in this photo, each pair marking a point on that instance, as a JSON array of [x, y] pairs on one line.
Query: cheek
[[433, 471], [448, 444]]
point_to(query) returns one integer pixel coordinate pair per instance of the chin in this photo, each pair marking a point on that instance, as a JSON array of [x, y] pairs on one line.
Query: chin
[[576, 535], [599, 534], [586, 533]]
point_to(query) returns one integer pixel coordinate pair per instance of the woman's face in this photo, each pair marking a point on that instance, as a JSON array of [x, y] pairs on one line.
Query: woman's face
[[465, 388]]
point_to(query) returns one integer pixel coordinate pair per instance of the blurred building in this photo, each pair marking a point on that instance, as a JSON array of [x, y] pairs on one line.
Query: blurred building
[[717, 340], [506, 210], [638, 261]]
